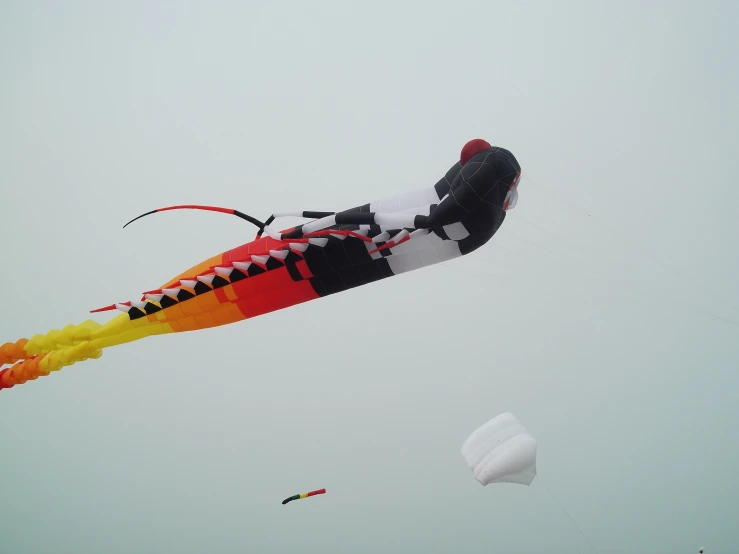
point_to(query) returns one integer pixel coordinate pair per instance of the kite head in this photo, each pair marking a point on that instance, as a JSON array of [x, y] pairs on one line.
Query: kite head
[[471, 149], [500, 162]]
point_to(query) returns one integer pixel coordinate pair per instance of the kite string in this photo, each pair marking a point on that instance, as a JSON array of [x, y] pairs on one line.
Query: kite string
[[698, 309], [646, 251], [567, 514], [688, 299], [691, 299]]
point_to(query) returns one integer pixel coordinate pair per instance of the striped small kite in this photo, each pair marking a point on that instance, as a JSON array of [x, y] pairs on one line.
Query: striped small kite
[[304, 495]]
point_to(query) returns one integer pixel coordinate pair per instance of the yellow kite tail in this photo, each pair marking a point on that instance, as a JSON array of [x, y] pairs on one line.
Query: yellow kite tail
[[59, 348]]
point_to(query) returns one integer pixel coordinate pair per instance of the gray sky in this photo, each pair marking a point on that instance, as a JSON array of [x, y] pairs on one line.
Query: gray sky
[[593, 315]]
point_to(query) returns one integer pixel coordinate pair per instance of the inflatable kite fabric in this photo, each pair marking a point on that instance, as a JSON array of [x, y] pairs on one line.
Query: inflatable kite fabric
[[501, 451], [304, 495], [334, 252]]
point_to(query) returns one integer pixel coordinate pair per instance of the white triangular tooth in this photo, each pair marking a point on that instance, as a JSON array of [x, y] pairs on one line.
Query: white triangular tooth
[[138, 304], [299, 246], [281, 254], [171, 292], [122, 307], [154, 297], [207, 279], [260, 259], [223, 271], [340, 237], [318, 242], [243, 266], [188, 283]]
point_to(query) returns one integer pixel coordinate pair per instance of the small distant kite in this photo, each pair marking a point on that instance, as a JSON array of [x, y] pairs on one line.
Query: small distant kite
[[304, 495], [501, 451]]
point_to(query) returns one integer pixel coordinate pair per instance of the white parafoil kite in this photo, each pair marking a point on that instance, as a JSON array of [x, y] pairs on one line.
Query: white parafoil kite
[[501, 451]]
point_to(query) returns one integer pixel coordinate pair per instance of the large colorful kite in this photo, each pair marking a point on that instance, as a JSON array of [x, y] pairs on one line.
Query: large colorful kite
[[334, 252]]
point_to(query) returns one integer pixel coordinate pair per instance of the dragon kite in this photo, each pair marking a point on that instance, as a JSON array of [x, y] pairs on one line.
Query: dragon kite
[[333, 252]]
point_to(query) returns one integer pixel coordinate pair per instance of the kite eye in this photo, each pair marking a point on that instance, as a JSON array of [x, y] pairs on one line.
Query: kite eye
[[515, 181]]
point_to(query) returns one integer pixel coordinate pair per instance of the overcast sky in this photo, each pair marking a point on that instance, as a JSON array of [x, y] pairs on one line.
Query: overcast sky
[[604, 314]]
